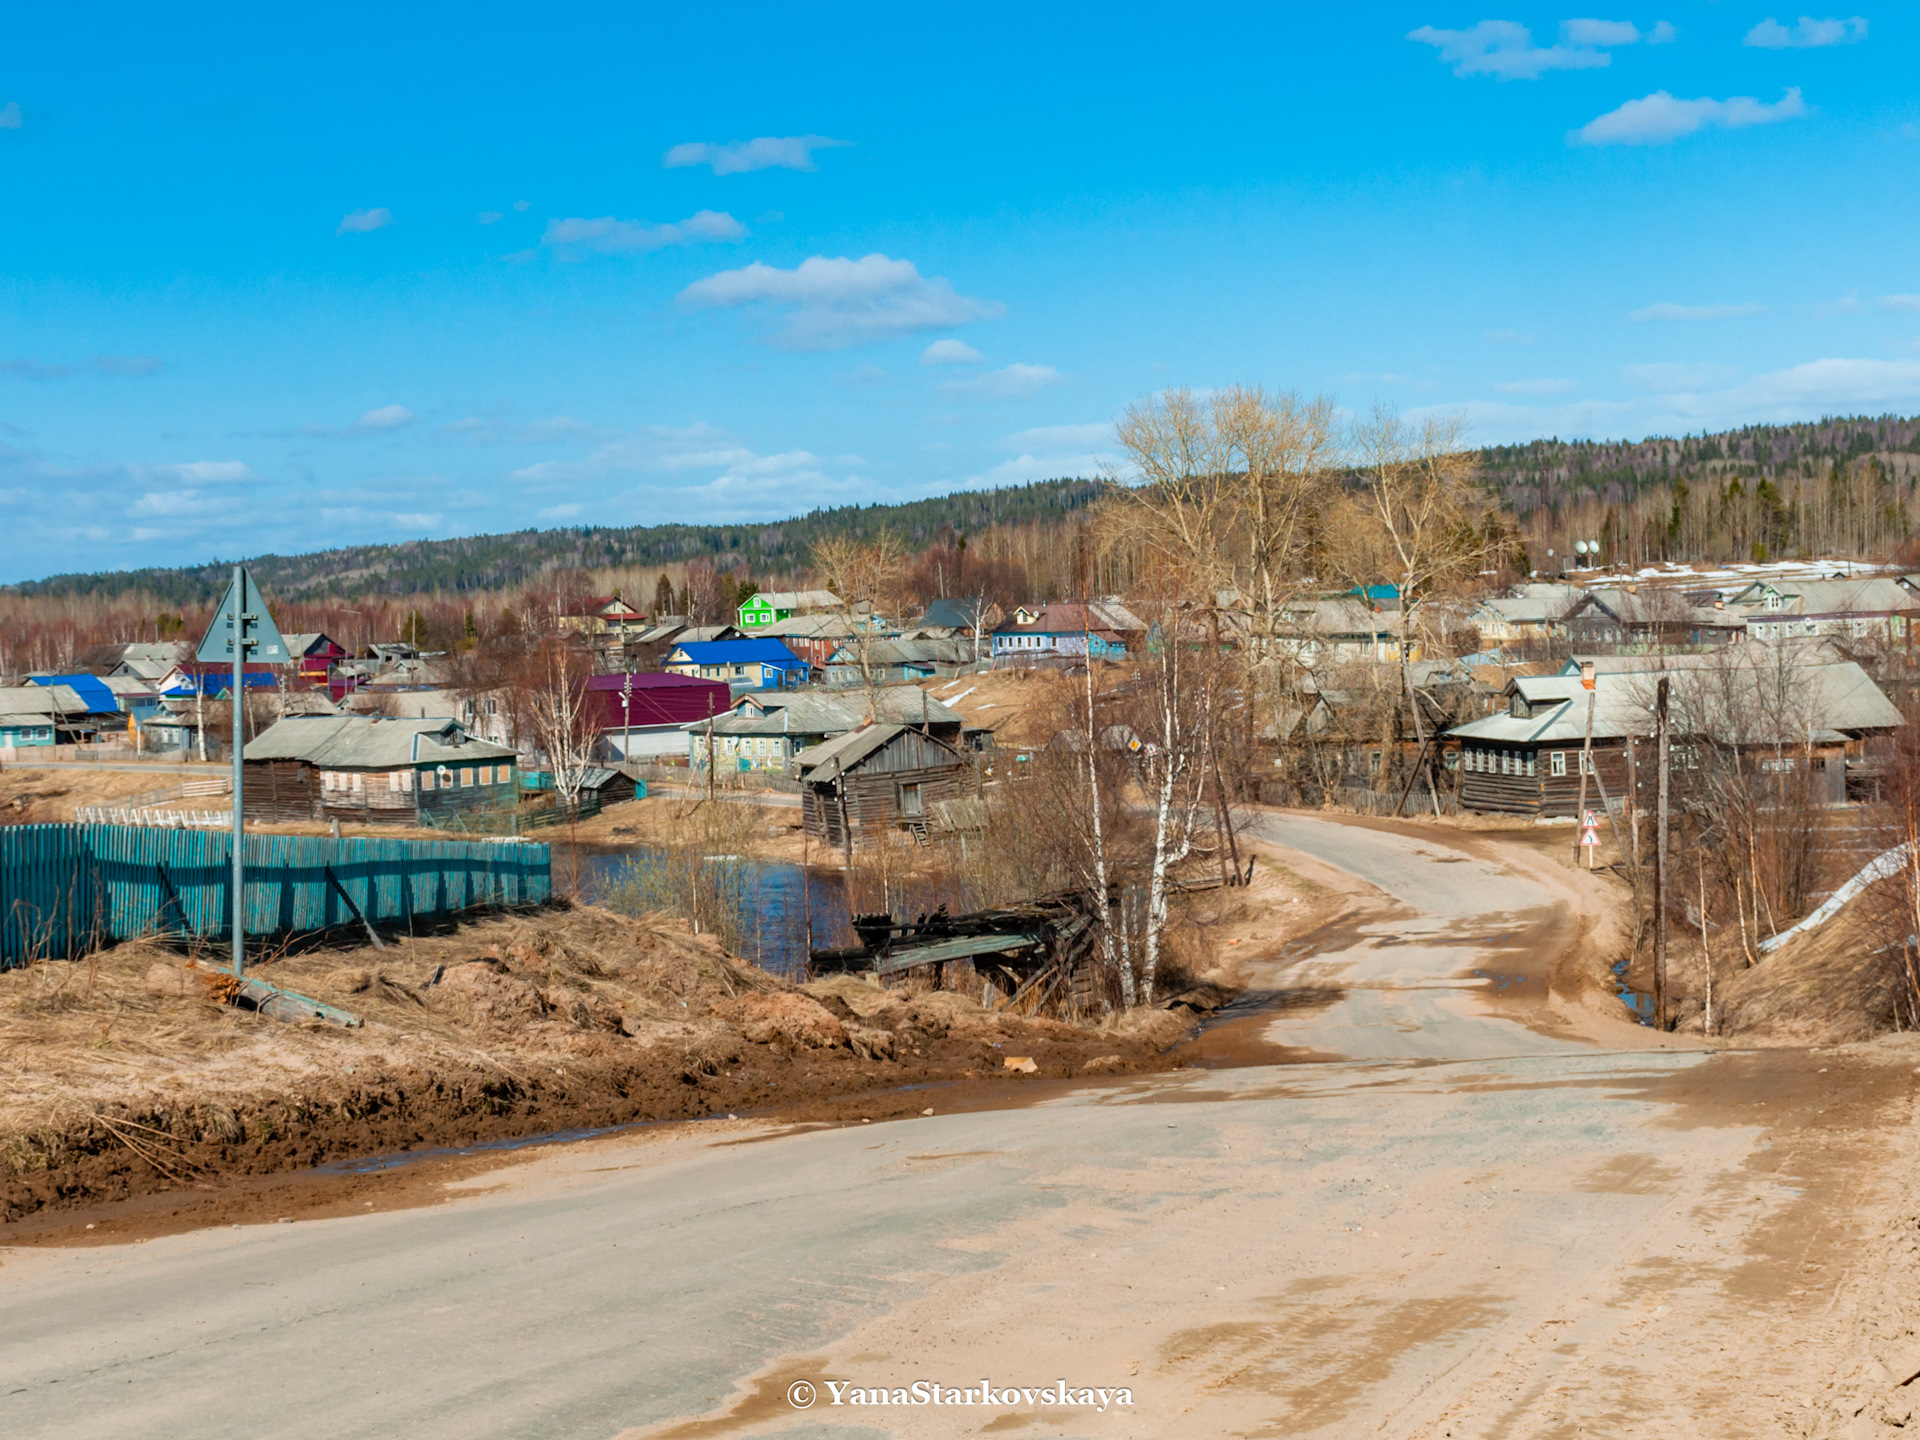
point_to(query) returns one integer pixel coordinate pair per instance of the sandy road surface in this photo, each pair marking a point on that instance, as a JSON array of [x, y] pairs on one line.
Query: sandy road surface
[[1474, 1227]]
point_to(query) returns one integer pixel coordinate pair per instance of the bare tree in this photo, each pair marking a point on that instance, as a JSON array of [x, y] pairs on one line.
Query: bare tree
[[558, 708], [869, 578], [1174, 767], [1415, 519]]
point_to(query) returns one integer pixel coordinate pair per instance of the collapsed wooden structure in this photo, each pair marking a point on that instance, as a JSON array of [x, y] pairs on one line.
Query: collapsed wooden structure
[[1027, 951]]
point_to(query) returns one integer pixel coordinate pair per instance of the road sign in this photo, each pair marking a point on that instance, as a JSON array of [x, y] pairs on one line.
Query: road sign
[[1589, 836], [261, 636], [1590, 822], [241, 630]]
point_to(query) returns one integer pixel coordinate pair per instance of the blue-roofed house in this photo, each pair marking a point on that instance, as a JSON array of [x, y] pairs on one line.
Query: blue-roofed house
[[108, 694], [755, 664]]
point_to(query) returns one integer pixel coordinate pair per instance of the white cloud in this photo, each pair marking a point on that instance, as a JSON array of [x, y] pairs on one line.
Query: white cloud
[[1663, 34], [949, 352], [1910, 304], [499, 430], [199, 472], [489, 217], [1809, 34], [1600, 32], [358, 222], [1663, 375], [132, 365], [34, 370], [1011, 382], [1693, 398], [652, 448], [417, 521], [1536, 387], [864, 377], [387, 417], [832, 303], [523, 204], [1062, 437], [558, 512], [159, 503], [10, 115], [1658, 118], [608, 236], [1505, 48], [1666, 310], [785, 152]]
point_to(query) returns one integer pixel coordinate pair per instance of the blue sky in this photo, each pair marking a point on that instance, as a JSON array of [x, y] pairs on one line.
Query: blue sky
[[280, 281]]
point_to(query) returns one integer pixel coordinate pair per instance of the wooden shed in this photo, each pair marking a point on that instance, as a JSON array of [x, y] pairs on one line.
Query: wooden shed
[[875, 779]]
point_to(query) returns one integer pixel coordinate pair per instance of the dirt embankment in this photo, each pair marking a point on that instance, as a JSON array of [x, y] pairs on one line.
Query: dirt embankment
[[126, 1078]]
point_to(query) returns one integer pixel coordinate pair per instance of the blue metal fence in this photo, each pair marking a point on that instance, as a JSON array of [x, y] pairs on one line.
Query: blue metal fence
[[67, 888]]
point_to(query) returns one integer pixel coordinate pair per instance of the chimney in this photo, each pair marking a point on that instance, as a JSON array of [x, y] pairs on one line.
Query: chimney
[[1586, 674]]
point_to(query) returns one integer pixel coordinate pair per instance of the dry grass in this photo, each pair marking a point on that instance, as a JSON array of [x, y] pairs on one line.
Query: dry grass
[[121, 1030], [40, 797], [1834, 985]]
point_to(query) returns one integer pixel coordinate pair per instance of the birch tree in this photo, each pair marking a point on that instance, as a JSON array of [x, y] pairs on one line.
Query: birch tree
[[557, 705], [1174, 762]]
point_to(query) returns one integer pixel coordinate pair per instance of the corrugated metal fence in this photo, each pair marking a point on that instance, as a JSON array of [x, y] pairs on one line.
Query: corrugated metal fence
[[65, 889]]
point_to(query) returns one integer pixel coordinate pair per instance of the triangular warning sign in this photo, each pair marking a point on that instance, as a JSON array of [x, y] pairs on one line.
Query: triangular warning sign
[[242, 612]]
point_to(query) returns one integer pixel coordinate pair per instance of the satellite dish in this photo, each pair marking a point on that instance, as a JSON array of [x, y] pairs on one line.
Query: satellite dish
[[1579, 547]]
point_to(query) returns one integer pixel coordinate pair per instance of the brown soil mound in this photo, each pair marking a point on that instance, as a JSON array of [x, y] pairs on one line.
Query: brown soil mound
[[126, 1075]]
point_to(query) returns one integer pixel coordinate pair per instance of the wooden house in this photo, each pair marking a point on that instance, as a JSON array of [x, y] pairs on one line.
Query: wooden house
[[1527, 758], [372, 771], [875, 779]]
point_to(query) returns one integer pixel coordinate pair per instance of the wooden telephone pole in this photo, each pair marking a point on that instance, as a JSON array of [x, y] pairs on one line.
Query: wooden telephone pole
[[1660, 861]]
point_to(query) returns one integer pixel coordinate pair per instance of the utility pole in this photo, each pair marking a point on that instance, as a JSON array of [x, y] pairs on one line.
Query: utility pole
[[1660, 861], [1586, 766], [240, 641], [626, 719]]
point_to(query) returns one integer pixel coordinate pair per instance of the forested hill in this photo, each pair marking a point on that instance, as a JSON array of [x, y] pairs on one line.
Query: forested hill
[[490, 562], [1549, 473], [1542, 475]]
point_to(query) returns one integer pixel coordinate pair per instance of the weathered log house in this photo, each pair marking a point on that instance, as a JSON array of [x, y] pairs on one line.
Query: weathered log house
[[1803, 720], [1526, 759], [371, 771], [875, 779]]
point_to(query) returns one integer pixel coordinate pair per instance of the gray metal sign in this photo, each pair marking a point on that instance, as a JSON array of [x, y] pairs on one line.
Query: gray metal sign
[[244, 613]]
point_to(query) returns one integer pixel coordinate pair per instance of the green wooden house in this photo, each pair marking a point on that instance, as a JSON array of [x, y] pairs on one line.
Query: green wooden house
[[770, 607]]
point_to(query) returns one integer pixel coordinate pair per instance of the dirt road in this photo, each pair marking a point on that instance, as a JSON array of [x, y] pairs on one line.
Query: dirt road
[[1492, 1211]]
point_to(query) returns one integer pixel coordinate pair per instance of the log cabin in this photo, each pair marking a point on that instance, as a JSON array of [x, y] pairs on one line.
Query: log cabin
[[875, 779]]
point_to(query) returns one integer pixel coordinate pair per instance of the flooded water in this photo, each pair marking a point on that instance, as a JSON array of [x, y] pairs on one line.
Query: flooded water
[[789, 907]]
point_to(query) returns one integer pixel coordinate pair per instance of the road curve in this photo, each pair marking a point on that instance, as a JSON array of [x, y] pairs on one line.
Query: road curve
[[1406, 1244]]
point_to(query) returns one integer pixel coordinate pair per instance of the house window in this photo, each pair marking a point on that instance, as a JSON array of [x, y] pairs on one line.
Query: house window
[[426, 779], [1773, 602], [359, 782], [406, 781], [1531, 762], [486, 774], [503, 773], [1557, 762], [393, 781], [910, 802], [1586, 762]]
